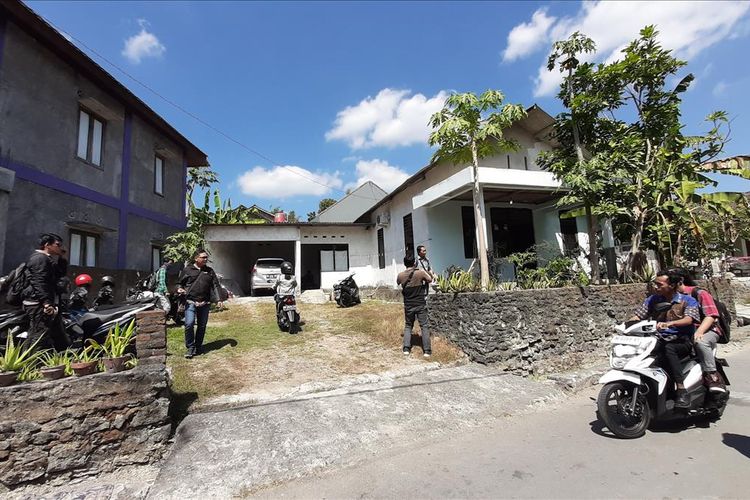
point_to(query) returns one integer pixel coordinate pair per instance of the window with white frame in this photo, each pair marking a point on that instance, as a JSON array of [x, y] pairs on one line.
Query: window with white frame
[[83, 248], [90, 137], [336, 258], [159, 175]]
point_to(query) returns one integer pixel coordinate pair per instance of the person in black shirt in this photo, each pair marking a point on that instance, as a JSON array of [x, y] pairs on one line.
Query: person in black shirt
[[199, 284], [40, 296]]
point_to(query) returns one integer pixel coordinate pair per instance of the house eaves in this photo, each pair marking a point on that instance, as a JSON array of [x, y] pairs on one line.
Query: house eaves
[[537, 122], [39, 29]]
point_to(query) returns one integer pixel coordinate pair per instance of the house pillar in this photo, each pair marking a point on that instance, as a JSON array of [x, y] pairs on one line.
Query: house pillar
[[298, 263], [7, 179], [483, 218]]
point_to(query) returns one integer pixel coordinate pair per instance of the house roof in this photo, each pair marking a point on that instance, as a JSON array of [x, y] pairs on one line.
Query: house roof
[[44, 33], [537, 122], [354, 204]]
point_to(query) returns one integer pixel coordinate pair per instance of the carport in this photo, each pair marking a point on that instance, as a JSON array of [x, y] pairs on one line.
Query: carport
[[322, 253], [235, 248]]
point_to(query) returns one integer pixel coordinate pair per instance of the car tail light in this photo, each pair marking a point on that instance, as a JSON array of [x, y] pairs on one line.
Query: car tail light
[[253, 271]]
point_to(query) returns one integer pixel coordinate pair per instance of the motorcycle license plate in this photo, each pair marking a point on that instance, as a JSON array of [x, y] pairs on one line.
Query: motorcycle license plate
[[290, 308], [626, 339]]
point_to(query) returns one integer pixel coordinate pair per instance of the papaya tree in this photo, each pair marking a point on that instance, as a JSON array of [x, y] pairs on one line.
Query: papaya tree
[[468, 128]]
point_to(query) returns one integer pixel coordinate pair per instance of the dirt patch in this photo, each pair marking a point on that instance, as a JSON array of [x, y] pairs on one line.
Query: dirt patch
[[246, 353]]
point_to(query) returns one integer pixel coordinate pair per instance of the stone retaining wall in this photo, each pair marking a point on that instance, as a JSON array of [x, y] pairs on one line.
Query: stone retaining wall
[[63, 429], [541, 331]]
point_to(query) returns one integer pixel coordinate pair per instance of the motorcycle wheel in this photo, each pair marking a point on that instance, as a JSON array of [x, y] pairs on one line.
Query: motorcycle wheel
[[613, 399], [282, 322]]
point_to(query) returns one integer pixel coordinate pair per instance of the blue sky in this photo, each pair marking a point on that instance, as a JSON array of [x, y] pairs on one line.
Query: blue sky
[[332, 93]]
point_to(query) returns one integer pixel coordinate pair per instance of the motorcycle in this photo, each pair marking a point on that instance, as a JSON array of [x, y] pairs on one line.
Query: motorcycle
[[637, 389], [346, 292], [78, 328], [287, 316]]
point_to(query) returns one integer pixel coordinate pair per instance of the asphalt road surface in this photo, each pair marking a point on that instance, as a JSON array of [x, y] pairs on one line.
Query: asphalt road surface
[[561, 453]]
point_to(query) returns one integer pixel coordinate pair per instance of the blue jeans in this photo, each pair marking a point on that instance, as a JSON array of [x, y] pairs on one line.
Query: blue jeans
[[194, 341]]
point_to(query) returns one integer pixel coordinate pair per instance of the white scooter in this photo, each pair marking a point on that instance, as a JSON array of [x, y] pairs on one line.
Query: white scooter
[[637, 389]]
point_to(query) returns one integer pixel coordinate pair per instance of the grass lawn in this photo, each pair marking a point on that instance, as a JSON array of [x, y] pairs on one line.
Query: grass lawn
[[246, 352]]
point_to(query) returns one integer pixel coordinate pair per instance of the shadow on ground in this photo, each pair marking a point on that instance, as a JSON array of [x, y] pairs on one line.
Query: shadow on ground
[[738, 442], [219, 344]]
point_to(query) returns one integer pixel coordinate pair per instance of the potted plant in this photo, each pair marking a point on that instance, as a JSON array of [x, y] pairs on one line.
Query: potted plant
[[115, 347], [85, 361], [15, 359], [55, 364]]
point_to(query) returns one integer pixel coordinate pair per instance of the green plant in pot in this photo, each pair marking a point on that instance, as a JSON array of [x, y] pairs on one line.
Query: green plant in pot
[[85, 361], [55, 364], [15, 359], [115, 347]]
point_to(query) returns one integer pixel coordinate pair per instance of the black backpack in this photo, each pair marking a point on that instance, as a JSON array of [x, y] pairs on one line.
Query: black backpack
[[14, 285], [725, 318]]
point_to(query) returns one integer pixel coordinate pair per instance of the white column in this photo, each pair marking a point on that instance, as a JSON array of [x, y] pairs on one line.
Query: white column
[[298, 263], [483, 215]]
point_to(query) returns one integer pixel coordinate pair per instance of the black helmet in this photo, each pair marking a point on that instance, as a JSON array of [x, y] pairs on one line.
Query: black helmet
[[108, 280], [286, 268]]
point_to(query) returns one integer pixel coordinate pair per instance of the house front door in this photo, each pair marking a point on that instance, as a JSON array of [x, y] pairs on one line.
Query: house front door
[[512, 230]]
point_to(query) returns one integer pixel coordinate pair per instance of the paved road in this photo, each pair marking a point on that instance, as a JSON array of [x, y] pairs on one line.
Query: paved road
[[560, 453]]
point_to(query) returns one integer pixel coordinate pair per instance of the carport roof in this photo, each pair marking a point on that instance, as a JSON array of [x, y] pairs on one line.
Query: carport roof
[[296, 224]]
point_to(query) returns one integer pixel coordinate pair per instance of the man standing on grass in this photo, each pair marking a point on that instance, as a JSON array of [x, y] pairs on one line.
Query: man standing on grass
[[423, 263], [199, 283], [412, 281]]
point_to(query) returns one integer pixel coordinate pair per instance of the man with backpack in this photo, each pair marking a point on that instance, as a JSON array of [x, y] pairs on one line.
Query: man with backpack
[[412, 280], [39, 291], [708, 332]]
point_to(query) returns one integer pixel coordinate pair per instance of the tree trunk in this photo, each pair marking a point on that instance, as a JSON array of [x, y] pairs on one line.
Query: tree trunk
[[635, 265], [593, 247], [484, 268], [591, 224]]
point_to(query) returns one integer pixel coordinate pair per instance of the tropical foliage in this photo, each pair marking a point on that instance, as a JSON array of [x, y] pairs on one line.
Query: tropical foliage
[[638, 166], [469, 128]]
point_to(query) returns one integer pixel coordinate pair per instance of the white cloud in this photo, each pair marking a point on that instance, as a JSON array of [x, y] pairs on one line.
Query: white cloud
[[391, 118], [720, 89], [282, 182], [142, 45], [380, 172], [685, 27], [527, 38]]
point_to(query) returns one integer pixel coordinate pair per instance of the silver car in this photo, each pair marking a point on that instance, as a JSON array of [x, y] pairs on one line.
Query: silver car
[[264, 273]]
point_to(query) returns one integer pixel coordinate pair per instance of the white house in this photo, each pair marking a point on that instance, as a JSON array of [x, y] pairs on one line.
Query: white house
[[432, 208]]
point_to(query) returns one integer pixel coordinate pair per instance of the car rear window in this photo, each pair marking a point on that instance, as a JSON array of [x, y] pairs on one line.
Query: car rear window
[[269, 263]]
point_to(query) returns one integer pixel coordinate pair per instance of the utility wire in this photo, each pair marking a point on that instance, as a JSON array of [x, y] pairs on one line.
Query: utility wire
[[200, 120]]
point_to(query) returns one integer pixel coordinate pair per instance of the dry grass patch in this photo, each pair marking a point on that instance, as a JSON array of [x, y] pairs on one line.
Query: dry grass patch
[[246, 352]]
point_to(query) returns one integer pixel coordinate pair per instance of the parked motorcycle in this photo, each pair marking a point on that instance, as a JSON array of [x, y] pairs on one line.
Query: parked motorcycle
[[346, 292], [78, 328], [637, 389], [287, 316]]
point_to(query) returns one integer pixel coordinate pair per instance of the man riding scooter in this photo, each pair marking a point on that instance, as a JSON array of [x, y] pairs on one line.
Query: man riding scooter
[[680, 319]]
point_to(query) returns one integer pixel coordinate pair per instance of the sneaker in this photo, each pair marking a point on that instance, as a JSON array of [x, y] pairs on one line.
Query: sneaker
[[427, 354], [406, 351], [682, 400], [714, 383], [189, 355]]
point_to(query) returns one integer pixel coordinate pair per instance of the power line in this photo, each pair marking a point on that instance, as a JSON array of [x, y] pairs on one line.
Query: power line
[[201, 121]]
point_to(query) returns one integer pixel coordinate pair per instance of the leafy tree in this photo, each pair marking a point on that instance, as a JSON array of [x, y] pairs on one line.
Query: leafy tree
[[571, 166], [466, 129], [311, 216], [202, 178], [292, 216], [645, 170], [325, 203], [180, 246]]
